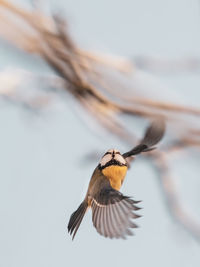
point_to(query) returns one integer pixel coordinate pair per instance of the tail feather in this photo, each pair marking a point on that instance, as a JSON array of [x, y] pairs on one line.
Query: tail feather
[[76, 219]]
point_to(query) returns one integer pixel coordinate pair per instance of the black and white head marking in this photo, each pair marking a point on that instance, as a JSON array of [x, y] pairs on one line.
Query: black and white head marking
[[112, 157]]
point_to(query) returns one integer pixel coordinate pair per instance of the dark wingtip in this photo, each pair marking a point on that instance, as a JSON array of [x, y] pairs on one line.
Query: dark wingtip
[[136, 216], [136, 207], [133, 225], [129, 232], [137, 201], [153, 134]]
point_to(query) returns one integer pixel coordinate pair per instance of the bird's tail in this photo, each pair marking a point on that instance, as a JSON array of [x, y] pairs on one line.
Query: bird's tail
[[76, 219]]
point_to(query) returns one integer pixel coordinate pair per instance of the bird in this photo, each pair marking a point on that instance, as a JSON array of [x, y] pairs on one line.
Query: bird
[[113, 213]]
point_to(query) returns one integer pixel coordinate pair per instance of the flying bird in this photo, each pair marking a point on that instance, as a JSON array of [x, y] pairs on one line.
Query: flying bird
[[112, 212]]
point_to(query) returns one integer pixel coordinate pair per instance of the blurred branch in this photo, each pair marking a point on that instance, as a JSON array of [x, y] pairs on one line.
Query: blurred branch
[[14, 90], [176, 208], [101, 85]]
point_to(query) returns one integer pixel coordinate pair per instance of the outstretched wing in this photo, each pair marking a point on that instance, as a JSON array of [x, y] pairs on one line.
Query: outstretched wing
[[152, 136], [112, 212]]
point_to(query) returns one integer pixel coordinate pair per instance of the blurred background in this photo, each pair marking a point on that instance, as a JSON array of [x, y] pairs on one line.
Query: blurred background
[[64, 103]]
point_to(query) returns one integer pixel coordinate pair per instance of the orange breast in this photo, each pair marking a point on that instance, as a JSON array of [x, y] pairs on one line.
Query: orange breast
[[116, 175]]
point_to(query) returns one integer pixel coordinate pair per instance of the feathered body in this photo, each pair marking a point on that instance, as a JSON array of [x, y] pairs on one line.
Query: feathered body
[[112, 212], [115, 175]]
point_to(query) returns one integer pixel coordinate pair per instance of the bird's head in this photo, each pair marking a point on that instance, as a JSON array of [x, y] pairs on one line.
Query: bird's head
[[112, 157]]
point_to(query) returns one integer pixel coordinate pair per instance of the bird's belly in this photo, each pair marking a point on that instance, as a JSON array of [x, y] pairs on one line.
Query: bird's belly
[[116, 175]]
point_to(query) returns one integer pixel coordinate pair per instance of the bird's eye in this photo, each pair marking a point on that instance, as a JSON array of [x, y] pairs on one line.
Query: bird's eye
[[107, 153]]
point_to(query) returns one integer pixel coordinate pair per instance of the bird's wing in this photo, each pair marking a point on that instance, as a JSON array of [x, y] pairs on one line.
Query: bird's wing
[[153, 134], [112, 212]]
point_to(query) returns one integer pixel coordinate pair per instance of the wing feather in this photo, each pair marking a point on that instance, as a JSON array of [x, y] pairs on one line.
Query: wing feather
[[112, 213]]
